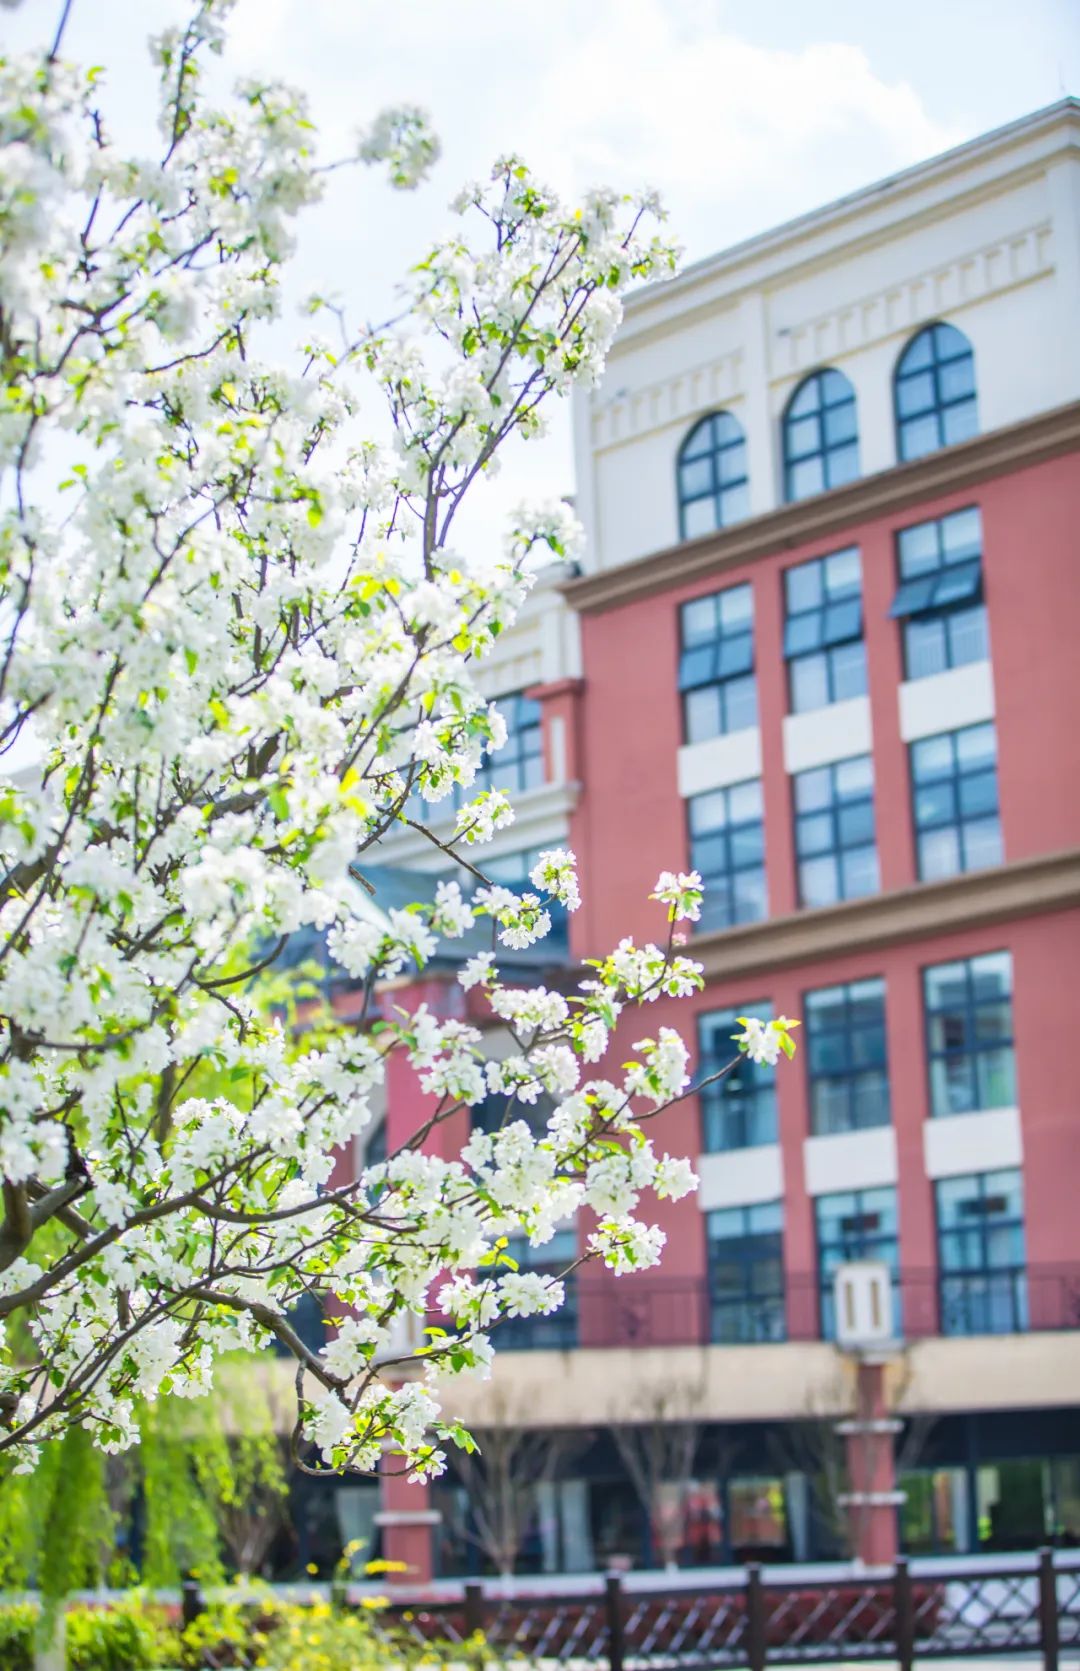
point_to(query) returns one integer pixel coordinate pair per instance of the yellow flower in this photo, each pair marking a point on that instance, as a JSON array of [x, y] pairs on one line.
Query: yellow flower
[[312, 1568]]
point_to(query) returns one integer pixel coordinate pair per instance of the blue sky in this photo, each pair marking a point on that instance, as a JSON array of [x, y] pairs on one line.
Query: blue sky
[[743, 112]]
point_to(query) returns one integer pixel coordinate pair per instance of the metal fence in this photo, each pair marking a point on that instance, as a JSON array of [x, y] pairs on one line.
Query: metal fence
[[896, 1617]]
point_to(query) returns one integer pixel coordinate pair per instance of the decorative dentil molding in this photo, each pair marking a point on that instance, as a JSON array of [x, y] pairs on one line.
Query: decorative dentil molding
[[891, 311]]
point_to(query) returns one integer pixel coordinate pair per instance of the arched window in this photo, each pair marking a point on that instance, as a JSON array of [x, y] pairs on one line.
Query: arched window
[[934, 388], [712, 475], [821, 435]]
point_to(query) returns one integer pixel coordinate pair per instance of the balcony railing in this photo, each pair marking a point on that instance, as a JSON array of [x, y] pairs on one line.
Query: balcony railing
[[651, 1311]]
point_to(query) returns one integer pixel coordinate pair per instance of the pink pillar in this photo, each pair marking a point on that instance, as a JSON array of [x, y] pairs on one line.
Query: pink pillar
[[407, 1521], [873, 1498]]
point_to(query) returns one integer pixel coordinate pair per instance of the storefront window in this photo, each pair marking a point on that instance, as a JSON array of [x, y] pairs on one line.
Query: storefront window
[[934, 1516], [759, 1522]]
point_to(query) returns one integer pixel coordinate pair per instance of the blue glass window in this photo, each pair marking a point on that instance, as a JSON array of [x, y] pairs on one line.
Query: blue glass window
[[823, 630], [846, 1057], [727, 845], [716, 664], [821, 438], [738, 1111], [955, 798], [969, 1034], [498, 1109], [712, 476], [934, 389], [554, 1331], [940, 600], [512, 870], [857, 1224], [746, 1273], [519, 764], [834, 832], [981, 1255]]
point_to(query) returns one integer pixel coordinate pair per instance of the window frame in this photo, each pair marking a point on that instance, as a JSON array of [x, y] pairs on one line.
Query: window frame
[[825, 452], [838, 848], [950, 613], [846, 1030], [746, 1097], [727, 877], [736, 645], [972, 1287], [961, 823], [972, 1047], [832, 638], [758, 1317], [941, 404], [719, 489], [506, 769]]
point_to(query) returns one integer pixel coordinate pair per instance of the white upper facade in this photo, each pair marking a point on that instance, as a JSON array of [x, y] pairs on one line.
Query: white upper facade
[[985, 238]]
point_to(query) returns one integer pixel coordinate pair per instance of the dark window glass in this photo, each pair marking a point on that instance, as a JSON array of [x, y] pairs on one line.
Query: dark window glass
[[981, 1254], [934, 388], [820, 431], [940, 598], [512, 870], [375, 1148], [746, 1273], [858, 1224], [558, 1330], [834, 832], [519, 764], [727, 845], [739, 1111], [716, 664], [969, 1034], [498, 1110], [823, 640], [712, 476], [846, 1057], [955, 798], [309, 1320]]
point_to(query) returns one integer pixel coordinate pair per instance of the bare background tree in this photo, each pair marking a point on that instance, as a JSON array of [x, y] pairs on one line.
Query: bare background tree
[[659, 1447], [501, 1479]]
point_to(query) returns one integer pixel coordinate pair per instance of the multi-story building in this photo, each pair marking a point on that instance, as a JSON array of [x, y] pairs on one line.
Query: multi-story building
[[823, 649]]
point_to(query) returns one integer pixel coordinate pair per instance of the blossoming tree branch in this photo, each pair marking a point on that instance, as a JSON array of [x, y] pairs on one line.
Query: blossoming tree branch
[[242, 641]]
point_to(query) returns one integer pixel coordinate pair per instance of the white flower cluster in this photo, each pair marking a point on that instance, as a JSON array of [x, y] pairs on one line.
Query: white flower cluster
[[763, 1041], [401, 137], [681, 892]]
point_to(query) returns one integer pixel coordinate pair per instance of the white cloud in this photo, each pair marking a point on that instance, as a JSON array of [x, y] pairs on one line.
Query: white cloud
[[737, 135]]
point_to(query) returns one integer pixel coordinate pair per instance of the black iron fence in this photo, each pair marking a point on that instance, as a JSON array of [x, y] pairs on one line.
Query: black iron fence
[[651, 1310], [897, 1617]]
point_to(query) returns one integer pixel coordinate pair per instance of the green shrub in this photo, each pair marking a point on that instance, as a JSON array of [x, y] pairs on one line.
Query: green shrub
[[17, 1625], [229, 1634], [319, 1639], [127, 1637]]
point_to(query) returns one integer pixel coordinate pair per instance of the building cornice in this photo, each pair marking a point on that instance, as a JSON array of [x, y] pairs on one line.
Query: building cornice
[[1026, 888], [1008, 149], [827, 515]]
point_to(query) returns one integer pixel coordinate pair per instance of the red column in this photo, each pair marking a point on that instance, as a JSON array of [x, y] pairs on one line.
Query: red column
[[406, 1517], [908, 1091], [562, 741], [885, 669], [407, 1522], [873, 1498], [771, 672], [793, 1104]]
